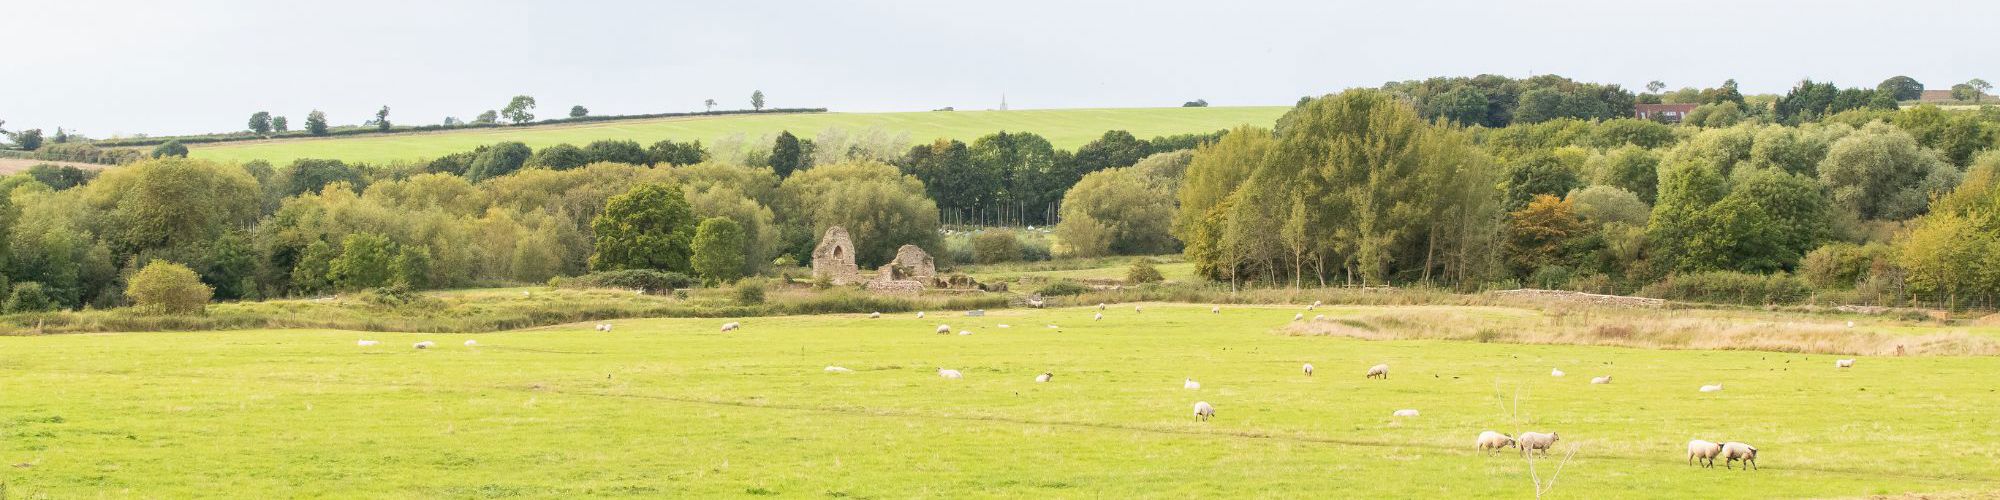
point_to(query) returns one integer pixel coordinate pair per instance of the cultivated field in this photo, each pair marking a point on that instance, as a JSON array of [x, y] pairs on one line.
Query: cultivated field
[[672, 407], [1066, 128]]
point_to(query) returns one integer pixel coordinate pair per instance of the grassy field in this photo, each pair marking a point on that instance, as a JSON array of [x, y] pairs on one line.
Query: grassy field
[[1066, 128], [671, 407]]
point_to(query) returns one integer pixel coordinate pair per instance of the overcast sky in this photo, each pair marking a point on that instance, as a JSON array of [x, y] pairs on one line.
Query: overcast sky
[[124, 67]]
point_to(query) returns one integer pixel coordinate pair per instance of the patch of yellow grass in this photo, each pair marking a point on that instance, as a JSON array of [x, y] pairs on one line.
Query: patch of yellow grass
[[1626, 328]]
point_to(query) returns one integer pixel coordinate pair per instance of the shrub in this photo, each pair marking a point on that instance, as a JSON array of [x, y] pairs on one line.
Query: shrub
[[29, 297], [750, 292], [1142, 271], [649, 280], [1064, 287], [1731, 288], [170, 149], [395, 296], [995, 246], [718, 250], [169, 288]]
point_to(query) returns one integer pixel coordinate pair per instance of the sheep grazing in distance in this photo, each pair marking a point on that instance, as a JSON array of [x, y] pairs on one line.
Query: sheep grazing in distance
[[1491, 442], [425, 345], [1711, 388], [1536, 441], [875, 315], [965, 332], [1843, 363], [1319, 317], [1405, 413], [1215, 310], [1097, 317], [950, 374], [1315, 303], [1044, 377], [1100, 306], [1379, 371], [920, 315], [1190, 384], [1309, 369], [943, 329], [1299, 317], [1138, 309], [1556, 372], [366, 343], [1733, 451], [1601, 380], [470, 343], [1003, 325], [1703, 452], [1203, 411], [836, 369], [604, 327], [731, 326]]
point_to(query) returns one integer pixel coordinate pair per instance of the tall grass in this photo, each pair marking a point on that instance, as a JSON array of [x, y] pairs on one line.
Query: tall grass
[[1705, 330]]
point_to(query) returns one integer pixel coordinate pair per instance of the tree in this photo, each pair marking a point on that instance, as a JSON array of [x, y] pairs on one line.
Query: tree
[[30, 139], [668, 152], [718, 250], [310, 274], [519, 109], [560, 157], [280, 124], [171, 148], [316, 123], [1655, 86], [260, 122], [1880, 173], [169, 288], [1116, 148], [648, 227], [617, 151], [1117, 211], [28, 297], [382, 119], [1901, 88], [308, 175], [498, 160], [172, 206], [487, 117], [881, 208], [412, 267], [709, 104], [1197, 103], [1538, 234], [994, 246], [578, 111], [366, 261], [786, 154], [757, 100], [1541, 173]]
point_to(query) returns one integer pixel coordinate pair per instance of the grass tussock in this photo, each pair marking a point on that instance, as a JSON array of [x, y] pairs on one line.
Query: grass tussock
[[1605, 327]]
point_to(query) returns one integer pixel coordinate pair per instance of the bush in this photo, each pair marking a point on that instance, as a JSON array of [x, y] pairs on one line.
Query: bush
[[1730, 287], [29, 297], [995, 246], [396, 295], [1060, 288], [170, 149], [1142, 271], [169, 288], [649, 280], [750, 292]]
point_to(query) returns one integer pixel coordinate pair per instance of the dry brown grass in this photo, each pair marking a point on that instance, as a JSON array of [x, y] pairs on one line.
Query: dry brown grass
[[1648, 329]]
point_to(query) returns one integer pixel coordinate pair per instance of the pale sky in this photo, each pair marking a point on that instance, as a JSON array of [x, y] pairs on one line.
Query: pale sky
[[124, 67]]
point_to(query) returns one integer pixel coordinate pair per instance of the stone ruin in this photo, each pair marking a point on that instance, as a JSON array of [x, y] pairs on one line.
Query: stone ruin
[[833, 260], [912, 271]]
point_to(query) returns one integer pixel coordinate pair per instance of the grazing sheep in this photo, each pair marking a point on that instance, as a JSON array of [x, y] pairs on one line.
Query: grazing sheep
[[1319, 317], [1309, 369], [1556, 372], [950, 374], [1850, 324], [1097, 317], [425, 345], [1044, 377], [1601, 380], [836, 369], [875, 315], [1138, 309], [1000, 326], [1711, 388], [1311, 307], [1492, 442], [1100, 306], [965, 332], [731, 326], [1843, 363], [1203, 411], [1190, 384], [366, 343], [1405, 413], [1215, 310], [1299, 317], [1536, 441], [1379, 371], [943, 329], [470, 343], [1733, 451], [1703, 452], [920, 315], [1315, 303], [604, 327]]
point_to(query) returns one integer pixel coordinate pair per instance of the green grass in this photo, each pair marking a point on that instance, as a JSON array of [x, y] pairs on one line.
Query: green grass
[[1066, 128], [1103, 269], [671, 407]]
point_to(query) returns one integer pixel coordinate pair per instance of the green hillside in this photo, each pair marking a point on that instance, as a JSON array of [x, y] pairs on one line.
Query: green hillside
[[1066, 128]]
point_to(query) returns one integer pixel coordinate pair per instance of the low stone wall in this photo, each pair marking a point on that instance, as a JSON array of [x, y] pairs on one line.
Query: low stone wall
[[1586, 298], [901, 287]]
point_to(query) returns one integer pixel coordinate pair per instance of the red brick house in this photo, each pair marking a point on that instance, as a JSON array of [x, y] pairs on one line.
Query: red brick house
[[1670, 113]]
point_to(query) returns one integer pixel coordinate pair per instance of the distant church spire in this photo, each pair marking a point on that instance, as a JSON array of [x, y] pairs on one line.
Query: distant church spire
[[1003, 101]]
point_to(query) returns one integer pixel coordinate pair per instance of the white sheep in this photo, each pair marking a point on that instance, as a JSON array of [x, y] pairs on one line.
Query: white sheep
[[731, 326], [366, 343], [1711, 388], [1405, 413], [1536, 441], [1100, 306], [1319, 317], [1190, 384], [604, 327], [1315, 303], [470, 343], [1843, 363], [1309, 369], [1381, 370], [1733, 451], [950, 374], [1492, 442], [836, 369], [1703, 452], [943, 329], [965, 332], [1215, 310], [1003, 325], [1299, 317], [425, 345], [1311, 307], [1203, 411], [1044, 377], [1601, 380], [1138, 309], [1556, 372], [875, 315], [920, 315], [1097, 317]]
